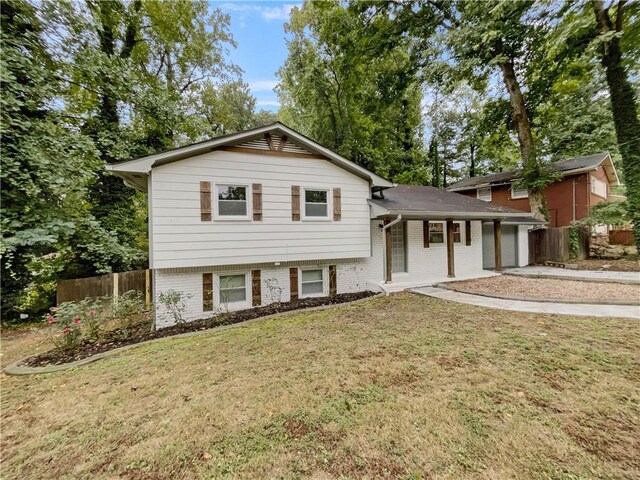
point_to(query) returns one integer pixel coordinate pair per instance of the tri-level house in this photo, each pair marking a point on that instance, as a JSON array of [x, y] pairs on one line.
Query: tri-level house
[[268, 215], [584, 181]]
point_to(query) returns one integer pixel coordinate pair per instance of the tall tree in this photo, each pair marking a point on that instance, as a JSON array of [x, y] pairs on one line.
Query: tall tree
[[610, 27], [367, 109]]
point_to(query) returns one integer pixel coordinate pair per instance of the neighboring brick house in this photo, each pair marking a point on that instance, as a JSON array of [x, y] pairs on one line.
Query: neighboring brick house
[[268, 215], [585, 181]]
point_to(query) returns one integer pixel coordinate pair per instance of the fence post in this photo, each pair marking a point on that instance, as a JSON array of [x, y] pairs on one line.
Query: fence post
[[115, 287], [147, 287]]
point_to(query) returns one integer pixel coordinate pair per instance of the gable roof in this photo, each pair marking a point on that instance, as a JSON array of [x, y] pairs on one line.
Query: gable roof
[[412, 201], [575, 165], [134, 172]]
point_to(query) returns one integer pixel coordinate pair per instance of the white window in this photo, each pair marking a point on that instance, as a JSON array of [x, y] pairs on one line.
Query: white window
[[231, 201], [232, 289], [484, 194], [316, 203], [519, 192], [598, 187], [437, 232], [312, 282]]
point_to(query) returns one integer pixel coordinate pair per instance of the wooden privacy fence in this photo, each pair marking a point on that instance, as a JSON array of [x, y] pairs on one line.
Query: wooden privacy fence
[[110, 284], [553, 245]]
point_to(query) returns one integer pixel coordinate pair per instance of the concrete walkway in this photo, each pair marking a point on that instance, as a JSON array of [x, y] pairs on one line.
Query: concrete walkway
[[569, 274], [588, 310]]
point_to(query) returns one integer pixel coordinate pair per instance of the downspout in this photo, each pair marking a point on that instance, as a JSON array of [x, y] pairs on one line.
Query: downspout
[[574, 199], [384, 246]]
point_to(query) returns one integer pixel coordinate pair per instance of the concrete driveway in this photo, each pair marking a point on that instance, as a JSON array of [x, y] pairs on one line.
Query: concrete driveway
[[569, 274]]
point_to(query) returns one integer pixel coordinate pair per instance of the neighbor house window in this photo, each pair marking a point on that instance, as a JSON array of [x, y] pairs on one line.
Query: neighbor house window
[[232, 201], [316, 203], [519, 192], [312, 282], [233, 289], [437, 232], [598, 187], [484, 194]]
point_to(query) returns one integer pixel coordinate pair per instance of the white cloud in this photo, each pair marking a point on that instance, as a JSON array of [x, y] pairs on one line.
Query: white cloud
[[262, 85], [276, 13], [267, 103], [280, 12]]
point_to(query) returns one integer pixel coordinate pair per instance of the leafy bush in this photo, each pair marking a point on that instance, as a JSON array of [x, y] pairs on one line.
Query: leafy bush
[[73, 323], [607, 213], [174, 302]]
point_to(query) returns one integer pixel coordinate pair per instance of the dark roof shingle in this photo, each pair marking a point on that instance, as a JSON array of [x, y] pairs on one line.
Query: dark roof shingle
[[587, 161]]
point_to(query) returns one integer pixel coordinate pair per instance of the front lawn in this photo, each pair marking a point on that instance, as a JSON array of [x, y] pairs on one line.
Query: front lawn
[[398, 387]]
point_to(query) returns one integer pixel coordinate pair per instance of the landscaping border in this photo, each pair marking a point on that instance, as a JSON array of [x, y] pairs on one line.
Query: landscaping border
[[576, 278], [16, 368], [581, 301]]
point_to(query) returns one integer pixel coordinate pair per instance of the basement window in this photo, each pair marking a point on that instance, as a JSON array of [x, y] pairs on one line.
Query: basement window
[[312, 282], [233, 289]]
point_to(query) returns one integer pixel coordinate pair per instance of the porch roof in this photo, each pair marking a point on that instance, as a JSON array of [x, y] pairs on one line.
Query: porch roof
[[430, 203]]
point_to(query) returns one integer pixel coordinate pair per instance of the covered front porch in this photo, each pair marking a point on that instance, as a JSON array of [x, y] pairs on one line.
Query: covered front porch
[[427, 235]]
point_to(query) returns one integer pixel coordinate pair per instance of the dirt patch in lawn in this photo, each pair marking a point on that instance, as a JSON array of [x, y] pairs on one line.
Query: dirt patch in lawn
[[142, 331], [621, 265], [512, 286]]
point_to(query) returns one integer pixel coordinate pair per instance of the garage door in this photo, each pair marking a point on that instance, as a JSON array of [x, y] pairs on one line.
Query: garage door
[[509, 246]]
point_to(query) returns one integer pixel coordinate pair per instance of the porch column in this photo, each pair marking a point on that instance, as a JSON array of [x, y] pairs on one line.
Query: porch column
[[387, 252], [450, 243], [497, 243]]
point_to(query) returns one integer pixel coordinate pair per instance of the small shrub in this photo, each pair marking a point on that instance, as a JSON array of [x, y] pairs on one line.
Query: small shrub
[[127, 310], [174, 302]]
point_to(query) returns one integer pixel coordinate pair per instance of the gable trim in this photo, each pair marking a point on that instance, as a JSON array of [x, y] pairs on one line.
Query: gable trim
[[145, 164]]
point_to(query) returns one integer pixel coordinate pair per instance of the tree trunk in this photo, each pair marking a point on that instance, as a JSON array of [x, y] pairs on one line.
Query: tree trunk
[[525, 137], [624, 108], [472, 168]]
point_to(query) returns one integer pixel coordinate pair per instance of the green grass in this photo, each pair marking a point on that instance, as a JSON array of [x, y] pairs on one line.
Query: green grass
[[399, 387]]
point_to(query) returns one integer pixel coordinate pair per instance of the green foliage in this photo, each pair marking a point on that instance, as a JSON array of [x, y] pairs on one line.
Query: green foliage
[[87, 321], [574, 241], [367, 108], [174, 302], [91, 82], [607, 213]]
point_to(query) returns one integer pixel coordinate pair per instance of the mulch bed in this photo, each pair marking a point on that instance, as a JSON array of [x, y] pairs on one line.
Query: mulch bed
[[141, 332]]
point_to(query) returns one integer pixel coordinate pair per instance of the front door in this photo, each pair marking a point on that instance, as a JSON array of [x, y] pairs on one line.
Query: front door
[[398, 253]]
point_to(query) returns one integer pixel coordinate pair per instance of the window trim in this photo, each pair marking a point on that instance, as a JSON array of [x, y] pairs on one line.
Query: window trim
[[303, 205], [444, 233], [324, 270], [233, 218], [594, 182], [513, 193], [247, 291], [483, 199]]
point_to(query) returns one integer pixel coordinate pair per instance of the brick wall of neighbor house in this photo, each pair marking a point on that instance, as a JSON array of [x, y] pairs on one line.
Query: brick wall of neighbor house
[[274, 282], [559, 197]]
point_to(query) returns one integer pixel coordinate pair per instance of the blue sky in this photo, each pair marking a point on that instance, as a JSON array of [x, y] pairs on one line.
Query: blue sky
[[258, 28]]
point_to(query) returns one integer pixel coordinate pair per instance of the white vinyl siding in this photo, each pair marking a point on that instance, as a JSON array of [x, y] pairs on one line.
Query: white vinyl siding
[[312, 282], [519, 193], [484, 194], [598, 187], [180, 239]]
